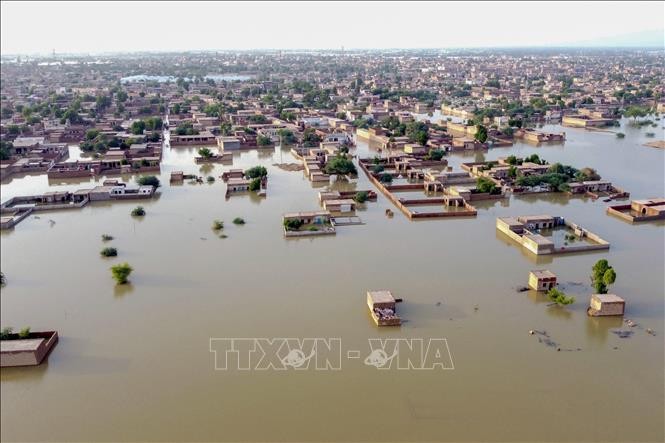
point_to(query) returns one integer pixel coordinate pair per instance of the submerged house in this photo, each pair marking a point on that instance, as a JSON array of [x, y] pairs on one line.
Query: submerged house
[[606, 305], [542, 280]]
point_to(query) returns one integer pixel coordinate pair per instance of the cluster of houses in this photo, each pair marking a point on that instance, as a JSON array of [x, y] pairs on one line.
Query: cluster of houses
[[600, 305], [18, 208]]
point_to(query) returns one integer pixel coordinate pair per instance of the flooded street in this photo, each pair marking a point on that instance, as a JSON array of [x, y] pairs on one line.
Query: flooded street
[[134, 363]]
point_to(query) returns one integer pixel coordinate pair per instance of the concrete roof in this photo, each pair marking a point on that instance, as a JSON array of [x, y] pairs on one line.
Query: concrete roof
[[543, 273], [609, 298], [382, 296], [28, 344]]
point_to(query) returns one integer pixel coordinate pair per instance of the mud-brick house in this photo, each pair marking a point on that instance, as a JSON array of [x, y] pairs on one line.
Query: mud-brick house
[[606, 305], [542, 280]]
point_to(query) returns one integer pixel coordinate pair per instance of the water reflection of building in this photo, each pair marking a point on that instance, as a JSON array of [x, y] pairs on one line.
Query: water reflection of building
[[598, 328]]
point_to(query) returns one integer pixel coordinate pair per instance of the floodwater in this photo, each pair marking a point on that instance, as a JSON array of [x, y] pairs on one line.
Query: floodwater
[[134, 362]]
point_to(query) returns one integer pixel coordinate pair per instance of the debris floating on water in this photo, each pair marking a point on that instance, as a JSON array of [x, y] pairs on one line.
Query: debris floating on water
[[622, 334]]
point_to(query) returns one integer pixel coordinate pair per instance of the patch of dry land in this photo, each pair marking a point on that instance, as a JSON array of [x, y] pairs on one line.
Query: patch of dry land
[[657, 144], [290, 166]]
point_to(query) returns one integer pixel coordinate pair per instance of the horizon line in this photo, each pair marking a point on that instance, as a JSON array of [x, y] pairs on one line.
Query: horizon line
[[340, 49]]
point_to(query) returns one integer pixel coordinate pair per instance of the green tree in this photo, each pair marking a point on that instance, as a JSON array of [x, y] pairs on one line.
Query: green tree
[[340, 164], [361, 197], [109, 252], [6, 333], [138, 211], [310, 138], [205, 153], [24, 333], [263, 140], [436, 154], [137, 127], [292, 224], [386, 178], [481, 133], [148, 180], [121, 273], [255, 184], [559, 297], [602, 276], [256, 171], [485, 185]]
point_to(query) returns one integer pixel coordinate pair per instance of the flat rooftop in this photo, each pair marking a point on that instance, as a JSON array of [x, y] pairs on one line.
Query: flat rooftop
[[382, 296], [609, 298], [21, 345], [543, 273]]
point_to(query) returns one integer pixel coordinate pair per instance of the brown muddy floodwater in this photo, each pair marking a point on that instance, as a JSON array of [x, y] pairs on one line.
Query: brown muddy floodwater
[[134, 363]]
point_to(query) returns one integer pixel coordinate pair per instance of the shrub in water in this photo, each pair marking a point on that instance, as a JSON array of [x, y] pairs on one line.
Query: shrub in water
[[138, 211], [121, 272], [109, 252]]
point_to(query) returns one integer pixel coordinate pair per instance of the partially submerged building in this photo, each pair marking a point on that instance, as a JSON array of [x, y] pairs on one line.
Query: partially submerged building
[[382, 308], [640, 210], [535, 234], [542, 280], [606, 305]]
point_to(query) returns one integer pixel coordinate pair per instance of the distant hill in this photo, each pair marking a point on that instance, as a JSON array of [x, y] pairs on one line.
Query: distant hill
[[644, 39]]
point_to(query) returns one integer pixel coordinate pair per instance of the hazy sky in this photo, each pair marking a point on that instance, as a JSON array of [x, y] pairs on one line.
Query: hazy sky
[[33, 27]]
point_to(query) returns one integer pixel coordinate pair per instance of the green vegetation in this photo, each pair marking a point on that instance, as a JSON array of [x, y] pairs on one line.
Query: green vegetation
[[109, 252], [481, 133], [636, 112], [258, 119], [5, 150], [558, 175], [386, 178], [310, 138], [217, 225], [106, 237], [256, 172], [138, 211], [3, 279], [24, 333], [148, 180], [255, 184], [292, 224], [205, 153], [137, 127], [340, 164], [378, 169], [485, 185], [121, 272], [263, 140], [361, 197], [238, 221], [6, 333], [602, 276], [287, 137], [186, 129], [559, 297], [435, 154]]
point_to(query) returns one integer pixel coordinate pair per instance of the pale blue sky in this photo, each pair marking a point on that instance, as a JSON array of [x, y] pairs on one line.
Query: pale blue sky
[[33, 27]]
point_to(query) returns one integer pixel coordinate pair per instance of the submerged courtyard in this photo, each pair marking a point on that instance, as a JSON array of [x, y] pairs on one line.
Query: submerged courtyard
[[124, 346]]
